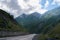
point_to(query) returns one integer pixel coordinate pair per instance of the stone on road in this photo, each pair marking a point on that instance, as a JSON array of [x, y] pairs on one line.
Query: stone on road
[[26, 37]]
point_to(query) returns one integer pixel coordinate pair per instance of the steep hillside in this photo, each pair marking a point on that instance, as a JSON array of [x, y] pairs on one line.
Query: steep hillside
[[8, 23], [51, 25], [49, 20], [55, 31], [54, 34]]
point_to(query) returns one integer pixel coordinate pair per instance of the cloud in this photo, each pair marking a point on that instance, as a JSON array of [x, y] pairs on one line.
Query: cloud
[[10, 6], [26, 5], [18, 7], [56, 2], [4, 7], [30, 6], [47, 3]]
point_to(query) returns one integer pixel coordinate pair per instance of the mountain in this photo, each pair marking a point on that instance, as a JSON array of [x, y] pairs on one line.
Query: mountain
[[37, 23], [29, 21], [49, 19], [21, 19], [49, 27], [8, 23]]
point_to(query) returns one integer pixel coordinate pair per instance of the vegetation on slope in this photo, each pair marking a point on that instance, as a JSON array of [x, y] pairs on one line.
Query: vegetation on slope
[[51, 26], [54, 34], [8, 23]]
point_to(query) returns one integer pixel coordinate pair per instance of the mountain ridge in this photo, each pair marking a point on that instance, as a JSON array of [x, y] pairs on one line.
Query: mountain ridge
[[48, 19]]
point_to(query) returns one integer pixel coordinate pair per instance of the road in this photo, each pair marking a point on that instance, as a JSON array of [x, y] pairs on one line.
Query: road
[[26, 37]]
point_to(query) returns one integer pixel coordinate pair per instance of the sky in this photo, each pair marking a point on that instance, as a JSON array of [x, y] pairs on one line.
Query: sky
[[18, 7]]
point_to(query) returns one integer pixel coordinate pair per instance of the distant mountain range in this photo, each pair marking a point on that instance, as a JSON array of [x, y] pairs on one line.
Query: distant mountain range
[[29, 21], [37, 23]]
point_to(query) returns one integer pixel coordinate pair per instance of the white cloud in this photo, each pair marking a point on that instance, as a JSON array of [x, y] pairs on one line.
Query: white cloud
[[56, 2], [5, 0], [25, 5], [2, 0], [47, 3], [15, 13], [8, 8], [31, 6], [17, 7], [4, 7], [42, 11], [8, 1]]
